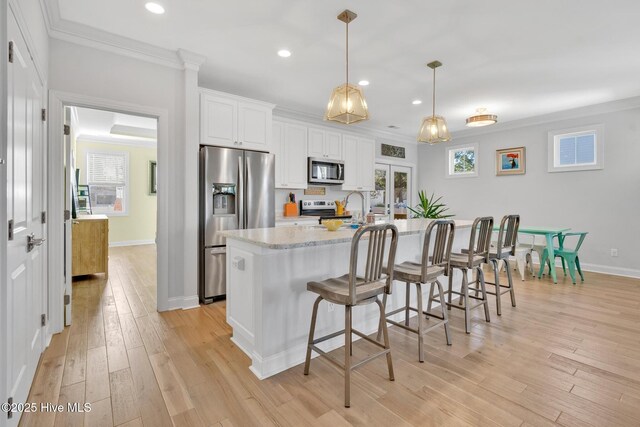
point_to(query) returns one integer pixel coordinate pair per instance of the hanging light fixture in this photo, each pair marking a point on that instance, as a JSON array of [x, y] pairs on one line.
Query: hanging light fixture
[[481, 119], [347, 104], [434, 128]]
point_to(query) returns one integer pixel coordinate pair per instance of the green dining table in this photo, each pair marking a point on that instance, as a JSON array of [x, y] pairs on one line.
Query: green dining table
[[549, 233]]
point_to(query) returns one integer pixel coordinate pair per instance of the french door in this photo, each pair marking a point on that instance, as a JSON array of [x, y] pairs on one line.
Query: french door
[[26, 200], [393, 191]]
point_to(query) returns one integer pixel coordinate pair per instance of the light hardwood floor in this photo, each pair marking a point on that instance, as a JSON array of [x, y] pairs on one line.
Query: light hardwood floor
[[566, 355]]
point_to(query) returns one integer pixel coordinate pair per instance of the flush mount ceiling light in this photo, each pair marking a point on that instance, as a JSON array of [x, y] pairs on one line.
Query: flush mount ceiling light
[[154, 8], [284, 53], [481, 119], [347, 104], [434, 128]]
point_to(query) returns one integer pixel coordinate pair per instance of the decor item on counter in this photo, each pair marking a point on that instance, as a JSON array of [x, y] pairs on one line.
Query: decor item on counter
[[339, 207], [153, 177], [332, 224], [510, 161], [371, 218], [315, 191], [482, 118], [291, 207], [347, 104], [429, 207], [434, 128], [392, 151]]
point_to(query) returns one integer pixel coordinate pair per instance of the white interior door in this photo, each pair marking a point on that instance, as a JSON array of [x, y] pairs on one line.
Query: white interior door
[[392, 192], [69, 183], [26, 281]]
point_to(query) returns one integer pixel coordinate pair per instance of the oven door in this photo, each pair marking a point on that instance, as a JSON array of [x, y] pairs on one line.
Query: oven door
[[324, 171]]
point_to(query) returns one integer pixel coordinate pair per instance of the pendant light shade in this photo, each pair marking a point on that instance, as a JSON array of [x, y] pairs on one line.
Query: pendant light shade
[[434, 128], [347, 104]]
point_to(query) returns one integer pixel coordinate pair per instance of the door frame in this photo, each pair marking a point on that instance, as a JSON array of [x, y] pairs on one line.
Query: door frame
[[57, 101], [413, 198]]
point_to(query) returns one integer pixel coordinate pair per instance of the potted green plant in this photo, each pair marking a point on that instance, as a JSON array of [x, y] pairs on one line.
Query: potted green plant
[[429, 207]]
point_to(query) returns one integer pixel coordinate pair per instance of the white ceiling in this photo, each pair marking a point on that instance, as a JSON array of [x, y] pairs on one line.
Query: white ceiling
[[518, 59], [98, 123]]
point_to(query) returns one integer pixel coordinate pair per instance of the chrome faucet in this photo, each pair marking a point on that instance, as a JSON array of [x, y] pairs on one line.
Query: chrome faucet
[[346, 201]]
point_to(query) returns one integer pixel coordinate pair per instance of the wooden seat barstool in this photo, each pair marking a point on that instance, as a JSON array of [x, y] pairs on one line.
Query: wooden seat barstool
[[433, 265], [472, 259], [500, 252], [351, 290]]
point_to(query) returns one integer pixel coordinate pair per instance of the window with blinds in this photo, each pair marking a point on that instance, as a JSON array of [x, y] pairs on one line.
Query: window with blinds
[[107, 178], [576, 149]]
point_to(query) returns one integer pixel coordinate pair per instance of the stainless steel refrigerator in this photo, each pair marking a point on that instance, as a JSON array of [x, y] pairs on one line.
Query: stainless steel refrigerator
[[237, 191]]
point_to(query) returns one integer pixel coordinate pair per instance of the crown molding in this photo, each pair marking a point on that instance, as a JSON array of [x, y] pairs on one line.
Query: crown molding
[[574, 113], [191, 60], [361, 129]]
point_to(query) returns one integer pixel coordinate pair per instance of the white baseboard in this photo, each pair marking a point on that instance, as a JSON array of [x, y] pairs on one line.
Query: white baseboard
[[184, 303], [616, 271], [132, 243]]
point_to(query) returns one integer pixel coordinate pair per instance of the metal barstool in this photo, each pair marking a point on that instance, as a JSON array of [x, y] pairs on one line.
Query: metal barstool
[[500, 252], [472, 259], [351, 290], [433, 266]]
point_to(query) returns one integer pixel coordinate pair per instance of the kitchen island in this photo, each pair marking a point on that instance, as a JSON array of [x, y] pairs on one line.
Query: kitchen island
[[268, 305]]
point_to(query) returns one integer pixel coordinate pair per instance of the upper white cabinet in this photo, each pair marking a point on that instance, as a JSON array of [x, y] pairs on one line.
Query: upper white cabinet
[[290, 148], [359, 162], [325, 144], [231, 121]]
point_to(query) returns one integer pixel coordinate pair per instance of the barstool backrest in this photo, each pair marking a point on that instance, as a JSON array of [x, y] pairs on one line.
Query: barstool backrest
[[377, 235], [508, 234], [480, 240], [445, 230]]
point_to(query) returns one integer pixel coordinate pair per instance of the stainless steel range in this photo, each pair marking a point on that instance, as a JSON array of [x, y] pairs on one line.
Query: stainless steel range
[[325, 209]]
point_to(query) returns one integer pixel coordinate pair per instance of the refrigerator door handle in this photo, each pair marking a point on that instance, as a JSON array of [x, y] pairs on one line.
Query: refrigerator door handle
[[217, 251], [240, 205]]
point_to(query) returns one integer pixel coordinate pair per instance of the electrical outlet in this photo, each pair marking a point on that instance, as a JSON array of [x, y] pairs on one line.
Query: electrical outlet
[[614, 252], [331, 307]]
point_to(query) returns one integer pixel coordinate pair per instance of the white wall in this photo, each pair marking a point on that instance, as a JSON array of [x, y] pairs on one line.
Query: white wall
[[604, 202], [96, 73]]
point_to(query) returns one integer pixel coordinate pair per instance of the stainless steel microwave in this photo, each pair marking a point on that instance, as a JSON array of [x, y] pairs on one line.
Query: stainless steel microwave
[[325, 171]]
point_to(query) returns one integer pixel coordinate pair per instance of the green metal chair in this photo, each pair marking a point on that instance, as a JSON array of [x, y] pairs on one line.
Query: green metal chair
[[568, 256]]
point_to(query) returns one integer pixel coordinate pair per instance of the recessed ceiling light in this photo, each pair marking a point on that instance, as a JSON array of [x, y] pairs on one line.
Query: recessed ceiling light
[[363, 82], [416, 102], [154, 8], [284, 53]]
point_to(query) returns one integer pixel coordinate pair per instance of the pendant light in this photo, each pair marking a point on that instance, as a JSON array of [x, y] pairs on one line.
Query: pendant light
[[347, 104], [482, 118], [434, 128]]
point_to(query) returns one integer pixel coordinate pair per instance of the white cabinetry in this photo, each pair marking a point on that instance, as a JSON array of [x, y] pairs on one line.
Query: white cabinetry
[[290, 148], [359, 160], [325, 144], [230, 121]]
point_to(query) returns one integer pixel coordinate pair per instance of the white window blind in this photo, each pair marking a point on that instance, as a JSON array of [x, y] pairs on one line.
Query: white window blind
[[106, 168], [576, 149]]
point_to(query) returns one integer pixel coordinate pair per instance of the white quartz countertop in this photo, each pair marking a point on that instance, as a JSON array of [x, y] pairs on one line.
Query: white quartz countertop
[[303, 236]]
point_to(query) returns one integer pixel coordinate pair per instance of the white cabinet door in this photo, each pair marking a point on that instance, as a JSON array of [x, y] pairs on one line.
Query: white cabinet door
[[366, 164], [254, 126], [333, 145], [316, 143], [279, 152], [218, 121], [350, 157], [290, 148], [295, 147]]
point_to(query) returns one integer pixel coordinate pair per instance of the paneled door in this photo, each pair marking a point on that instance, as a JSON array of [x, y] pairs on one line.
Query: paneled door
[[26, 255], [392, 192]]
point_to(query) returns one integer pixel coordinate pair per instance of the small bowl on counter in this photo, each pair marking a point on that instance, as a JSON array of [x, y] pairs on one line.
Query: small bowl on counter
[[332, 224]]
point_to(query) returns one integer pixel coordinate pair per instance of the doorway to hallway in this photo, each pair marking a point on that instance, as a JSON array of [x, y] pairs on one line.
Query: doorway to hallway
[[393, 191]]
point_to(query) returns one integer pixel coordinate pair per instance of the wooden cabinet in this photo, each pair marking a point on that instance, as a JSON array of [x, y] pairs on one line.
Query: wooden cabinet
[[230, 121], [325, 144], [290, 148], [359, 162], [90, 245]]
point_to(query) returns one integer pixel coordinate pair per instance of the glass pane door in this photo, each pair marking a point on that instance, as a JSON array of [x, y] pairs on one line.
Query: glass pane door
[[379, 200], [401, 178], [393, 192]]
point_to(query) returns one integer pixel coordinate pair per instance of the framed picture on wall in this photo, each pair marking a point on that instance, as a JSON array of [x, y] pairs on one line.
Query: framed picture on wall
[[510, 161], [153, 177]]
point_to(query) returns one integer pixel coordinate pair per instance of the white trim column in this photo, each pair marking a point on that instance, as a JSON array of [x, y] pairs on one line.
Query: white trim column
[[192, 63]]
